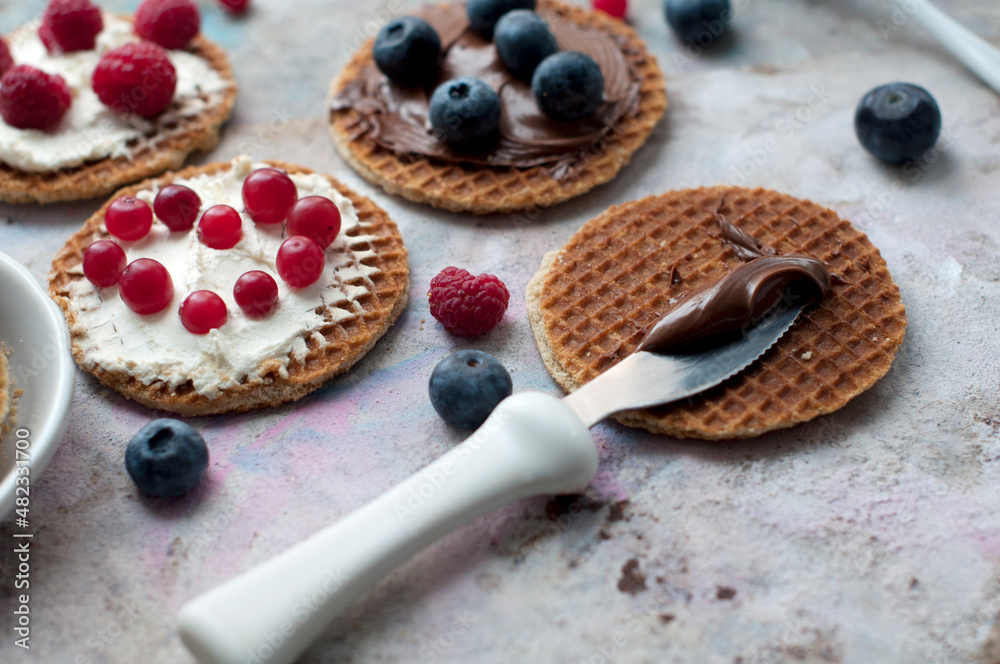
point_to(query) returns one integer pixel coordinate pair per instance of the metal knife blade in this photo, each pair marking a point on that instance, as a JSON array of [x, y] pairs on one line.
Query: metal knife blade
[[644, 379]]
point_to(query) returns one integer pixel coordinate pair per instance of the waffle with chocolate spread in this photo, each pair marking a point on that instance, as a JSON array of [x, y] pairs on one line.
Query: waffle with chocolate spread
[[397, 152], [592, 302]]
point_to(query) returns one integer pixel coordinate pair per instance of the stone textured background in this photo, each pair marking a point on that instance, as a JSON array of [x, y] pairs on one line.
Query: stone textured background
[[870, 535]]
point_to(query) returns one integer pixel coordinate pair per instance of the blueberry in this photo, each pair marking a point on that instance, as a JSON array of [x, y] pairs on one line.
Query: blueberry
[[466, 386], [568, 86], [463, 110], [523, 40], [698, 20], [407, 50], [484, 14], [166, 458], [897, 122]]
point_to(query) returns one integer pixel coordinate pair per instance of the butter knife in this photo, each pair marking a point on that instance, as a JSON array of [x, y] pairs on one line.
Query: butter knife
[[532, 444], [981, 57]]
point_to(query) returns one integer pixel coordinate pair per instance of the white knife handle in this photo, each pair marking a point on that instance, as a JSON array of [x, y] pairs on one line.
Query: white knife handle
[[531, 444], [970, 49]]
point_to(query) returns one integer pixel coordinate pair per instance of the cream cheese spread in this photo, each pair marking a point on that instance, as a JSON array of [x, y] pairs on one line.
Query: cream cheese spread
[[92, 131], [159, 348]]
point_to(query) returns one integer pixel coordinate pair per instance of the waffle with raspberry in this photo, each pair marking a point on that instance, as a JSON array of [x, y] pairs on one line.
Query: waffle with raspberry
[[592, 302], [166, 145]]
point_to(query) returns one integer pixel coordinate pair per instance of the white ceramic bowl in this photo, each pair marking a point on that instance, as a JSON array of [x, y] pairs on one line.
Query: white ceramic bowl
[[32, 326]]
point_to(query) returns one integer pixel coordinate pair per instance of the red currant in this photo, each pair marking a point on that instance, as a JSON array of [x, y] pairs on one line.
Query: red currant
[[203, 311], [300, 261], [220, 227], [268, 195], [256, 294], [103, 262], [235, 6], [128, 218], [177, 207], [145, 286], [317, 217]]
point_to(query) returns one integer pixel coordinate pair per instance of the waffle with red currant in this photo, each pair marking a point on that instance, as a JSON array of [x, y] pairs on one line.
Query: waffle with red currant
[[229, 287], [489, 173], [82, 75]]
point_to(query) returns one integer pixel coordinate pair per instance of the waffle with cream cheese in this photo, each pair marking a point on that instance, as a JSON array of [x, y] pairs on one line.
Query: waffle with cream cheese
[[173, 140], [358, 309]]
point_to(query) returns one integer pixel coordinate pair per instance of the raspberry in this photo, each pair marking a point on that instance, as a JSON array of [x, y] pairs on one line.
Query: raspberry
[[136, 78], [32, 99], [616, 8], [6, 60], [70, 25], [467, 305], [169, 23], [235, 6]]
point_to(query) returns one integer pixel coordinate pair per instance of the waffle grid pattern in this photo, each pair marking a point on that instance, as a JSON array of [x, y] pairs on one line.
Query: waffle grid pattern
[[346, 341], [608, 285], [100, 178], [482, 189]]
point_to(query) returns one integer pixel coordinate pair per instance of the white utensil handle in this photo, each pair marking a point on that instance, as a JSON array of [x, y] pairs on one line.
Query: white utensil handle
[[531, 444], [974, 52]]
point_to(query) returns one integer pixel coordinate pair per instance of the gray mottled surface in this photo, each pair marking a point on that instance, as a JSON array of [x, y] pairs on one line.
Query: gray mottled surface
[[870, 535]]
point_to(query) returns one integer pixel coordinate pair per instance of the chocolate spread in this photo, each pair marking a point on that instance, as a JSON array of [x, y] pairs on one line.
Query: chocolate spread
[[720, 312], [397, 117]]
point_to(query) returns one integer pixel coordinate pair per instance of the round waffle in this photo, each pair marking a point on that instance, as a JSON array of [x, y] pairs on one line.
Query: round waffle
[[345, 341], [166, 150], [484, 189], [592, 301]]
